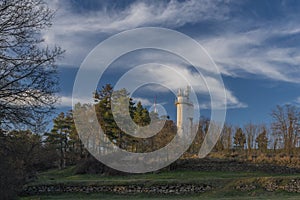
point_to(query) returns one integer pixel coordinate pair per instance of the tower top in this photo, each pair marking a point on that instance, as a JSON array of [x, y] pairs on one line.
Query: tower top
[[184, 93]]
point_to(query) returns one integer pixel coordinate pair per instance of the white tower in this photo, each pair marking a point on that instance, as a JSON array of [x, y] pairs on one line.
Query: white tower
[[185, 112]]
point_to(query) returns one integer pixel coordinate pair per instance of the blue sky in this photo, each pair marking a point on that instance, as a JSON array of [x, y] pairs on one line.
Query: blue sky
[[255, 44]]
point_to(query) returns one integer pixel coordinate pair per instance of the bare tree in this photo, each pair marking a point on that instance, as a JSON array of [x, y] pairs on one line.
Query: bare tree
[[251, 131], [28, 79], [227, 135], [286, 126]]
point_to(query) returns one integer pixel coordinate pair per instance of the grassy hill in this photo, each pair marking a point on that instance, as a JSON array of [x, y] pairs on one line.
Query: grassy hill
[[225, 185]]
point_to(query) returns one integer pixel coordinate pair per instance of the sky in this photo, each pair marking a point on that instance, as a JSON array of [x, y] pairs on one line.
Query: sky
[[255, 44]]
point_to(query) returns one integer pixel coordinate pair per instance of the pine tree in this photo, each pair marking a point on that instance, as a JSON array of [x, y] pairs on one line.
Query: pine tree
[[75, 144], [239, 139], [262, 141], [141, 115], [59, 136]]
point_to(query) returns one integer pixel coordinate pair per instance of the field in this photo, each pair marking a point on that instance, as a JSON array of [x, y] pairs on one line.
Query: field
[[224, 184]]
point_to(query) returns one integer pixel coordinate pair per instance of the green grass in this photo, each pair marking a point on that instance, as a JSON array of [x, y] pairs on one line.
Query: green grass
[[68, 176], [223, 183]]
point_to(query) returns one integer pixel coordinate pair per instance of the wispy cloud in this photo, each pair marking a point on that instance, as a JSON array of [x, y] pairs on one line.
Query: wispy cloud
[[144, 101], [78, 32], [141, 13], [173, 76], [238, 52], [245, 49], [66, 101], [242, 53], [297, 101]]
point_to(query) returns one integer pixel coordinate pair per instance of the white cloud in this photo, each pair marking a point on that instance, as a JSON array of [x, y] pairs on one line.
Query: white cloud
[[66, 101], [297, 100], [144, 101], [238, 53], [29, 97], [207, 106], [78, 33], [171, 14], [172, 76]]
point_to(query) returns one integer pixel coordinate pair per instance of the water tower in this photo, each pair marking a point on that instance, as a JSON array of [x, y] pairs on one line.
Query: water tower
[[185, 112]]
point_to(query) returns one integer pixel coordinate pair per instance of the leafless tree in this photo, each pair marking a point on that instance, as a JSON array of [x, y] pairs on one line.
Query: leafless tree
[[251, 130], [286, 126], [28, 75], [227, 137]]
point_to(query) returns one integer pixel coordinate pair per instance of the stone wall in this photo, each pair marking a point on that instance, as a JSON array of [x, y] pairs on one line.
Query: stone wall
[[226, 165], [270, 185], [117, 189]]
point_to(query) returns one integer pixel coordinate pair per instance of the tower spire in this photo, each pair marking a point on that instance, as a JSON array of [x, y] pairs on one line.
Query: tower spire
[[155, 109]]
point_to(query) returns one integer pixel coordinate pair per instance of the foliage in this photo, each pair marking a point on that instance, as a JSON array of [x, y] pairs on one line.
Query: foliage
[[59, 137], [239, 139], [262, 141], [202, 128], [65, 140], [139, 115], [20, 153]]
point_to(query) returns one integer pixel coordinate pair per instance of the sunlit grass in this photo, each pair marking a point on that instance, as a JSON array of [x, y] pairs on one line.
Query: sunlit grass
[[68, 175]]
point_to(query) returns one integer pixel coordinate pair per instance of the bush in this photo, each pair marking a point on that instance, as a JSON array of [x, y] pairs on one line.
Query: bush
[[90, 165], [11, 177]]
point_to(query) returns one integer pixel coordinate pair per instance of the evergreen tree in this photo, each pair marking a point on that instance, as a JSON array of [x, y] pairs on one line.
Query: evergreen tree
[[239, 139], [104, 113], [262, 141], [141, 115], [75, 144], [59, 136]]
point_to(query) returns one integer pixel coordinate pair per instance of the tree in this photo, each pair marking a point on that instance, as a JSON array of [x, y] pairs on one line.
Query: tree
[[141, 115], [59, 136], [262, 141], [104, 113], [250, 132], [286, 126], [239, 139], [202, 128], [20, 153], [75, 144], [225, 140], [227, 134], [28, 80], [122, 105], [164, 136]]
